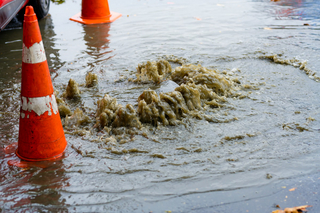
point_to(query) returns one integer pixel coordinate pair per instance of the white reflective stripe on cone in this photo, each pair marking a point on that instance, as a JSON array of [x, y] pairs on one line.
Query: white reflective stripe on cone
[[40, 105], [34, 54]]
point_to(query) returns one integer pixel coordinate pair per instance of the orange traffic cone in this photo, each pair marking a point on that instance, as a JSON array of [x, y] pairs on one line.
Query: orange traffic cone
[[41, 135], [95, 12]]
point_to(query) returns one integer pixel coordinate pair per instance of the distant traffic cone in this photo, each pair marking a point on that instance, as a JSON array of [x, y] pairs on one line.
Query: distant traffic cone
[[41, 135], [95, 12]]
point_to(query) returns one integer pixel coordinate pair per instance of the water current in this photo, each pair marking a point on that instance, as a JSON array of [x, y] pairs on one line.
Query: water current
[[271, 45]]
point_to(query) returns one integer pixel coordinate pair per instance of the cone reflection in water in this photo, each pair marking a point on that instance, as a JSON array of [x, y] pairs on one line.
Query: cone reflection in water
[[16, 196], [96, 37], [41, 135], [95, 12]]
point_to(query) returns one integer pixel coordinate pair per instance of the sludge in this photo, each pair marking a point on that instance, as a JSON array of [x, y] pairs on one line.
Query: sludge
[[198, 87], [195, 89]]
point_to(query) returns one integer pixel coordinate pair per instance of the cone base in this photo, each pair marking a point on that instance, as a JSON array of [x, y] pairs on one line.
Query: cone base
[[35, 160], [14, 159], [77, 18]]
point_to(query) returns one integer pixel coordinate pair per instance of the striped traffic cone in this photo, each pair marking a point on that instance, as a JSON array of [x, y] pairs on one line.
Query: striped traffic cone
[[95, 12], [41, 135]]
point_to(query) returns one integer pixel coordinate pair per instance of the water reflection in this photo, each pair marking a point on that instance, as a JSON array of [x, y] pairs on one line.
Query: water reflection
[[290, 9], [297, 9], [96, 38], [293, 3], [34, 188], [11, 50], [10, 55], [10, 75], [49, 41]]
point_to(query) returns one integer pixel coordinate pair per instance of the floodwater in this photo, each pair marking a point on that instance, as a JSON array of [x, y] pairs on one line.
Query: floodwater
[[197, 167]]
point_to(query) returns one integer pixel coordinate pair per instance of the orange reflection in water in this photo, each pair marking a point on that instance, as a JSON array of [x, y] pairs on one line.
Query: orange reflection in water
[[289, 8], [34, 186]]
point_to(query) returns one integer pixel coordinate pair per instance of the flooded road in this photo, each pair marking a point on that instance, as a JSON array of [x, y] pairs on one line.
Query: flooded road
[[198, 166]]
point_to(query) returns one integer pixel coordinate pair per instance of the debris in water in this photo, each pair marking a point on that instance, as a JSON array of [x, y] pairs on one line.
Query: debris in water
[[294, 126], [229, 138], [292, 189], [110, 113], [268, 176], [91, 79], [78, 118], [64, 110], [186, 91], [198, 86], [293, 62], [310, 119], [154, 109], [72, 91], [126, 117], [106, 109], [153, 71], [158, 156], [174, 59], [293, 209]]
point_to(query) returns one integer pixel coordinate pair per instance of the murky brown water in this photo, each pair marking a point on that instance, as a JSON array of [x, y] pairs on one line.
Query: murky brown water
[[278, 126]]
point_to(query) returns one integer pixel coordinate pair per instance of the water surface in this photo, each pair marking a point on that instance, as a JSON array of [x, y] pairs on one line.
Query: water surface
[[277, 131]]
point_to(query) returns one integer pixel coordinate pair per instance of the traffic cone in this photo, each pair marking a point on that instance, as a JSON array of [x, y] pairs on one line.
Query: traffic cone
[[95, 12], [41, 135]]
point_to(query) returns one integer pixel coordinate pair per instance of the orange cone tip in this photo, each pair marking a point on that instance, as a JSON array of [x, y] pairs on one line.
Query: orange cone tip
[[95, 12], [41, 135]]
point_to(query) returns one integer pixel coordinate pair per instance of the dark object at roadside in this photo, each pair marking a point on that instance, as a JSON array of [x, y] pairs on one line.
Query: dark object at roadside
[[9, 9]]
